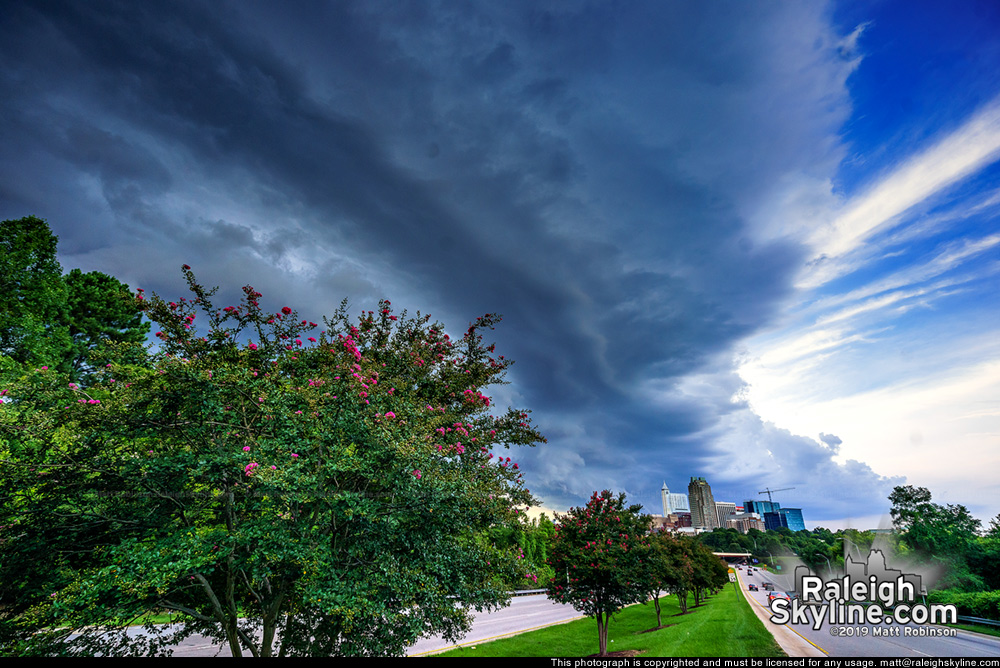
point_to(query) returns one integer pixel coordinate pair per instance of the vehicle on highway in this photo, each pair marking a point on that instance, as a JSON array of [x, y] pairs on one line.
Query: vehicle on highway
[[769, 586], [776, 594], [792, 595], [752, 587]]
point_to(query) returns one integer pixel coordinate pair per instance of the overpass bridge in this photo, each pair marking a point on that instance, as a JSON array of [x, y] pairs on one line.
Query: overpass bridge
[[730, 557]]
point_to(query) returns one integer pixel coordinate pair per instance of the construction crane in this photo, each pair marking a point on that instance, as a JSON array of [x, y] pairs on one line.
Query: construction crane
[[769, 491]]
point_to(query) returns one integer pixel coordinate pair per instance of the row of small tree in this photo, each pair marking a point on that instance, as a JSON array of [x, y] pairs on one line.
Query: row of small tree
[[605, 557]]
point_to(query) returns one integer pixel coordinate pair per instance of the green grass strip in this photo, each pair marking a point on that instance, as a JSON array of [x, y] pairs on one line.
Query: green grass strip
[[724, 626], [978, 628]]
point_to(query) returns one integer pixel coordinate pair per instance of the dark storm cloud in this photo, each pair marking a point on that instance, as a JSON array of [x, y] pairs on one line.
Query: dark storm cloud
[[585, 170]]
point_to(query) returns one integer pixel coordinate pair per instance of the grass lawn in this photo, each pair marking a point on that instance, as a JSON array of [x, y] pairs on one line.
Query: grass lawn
[[724, 626]]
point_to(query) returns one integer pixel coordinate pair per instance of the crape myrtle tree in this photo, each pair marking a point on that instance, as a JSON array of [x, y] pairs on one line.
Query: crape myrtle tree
[[290, 491], [680, 554], [664, 569], [710, 572], [596, 556], [683, 566]]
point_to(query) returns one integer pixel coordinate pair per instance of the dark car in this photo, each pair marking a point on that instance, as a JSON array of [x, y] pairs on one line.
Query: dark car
[[769, 586], [775, 594], [792, 595], [752, 587]]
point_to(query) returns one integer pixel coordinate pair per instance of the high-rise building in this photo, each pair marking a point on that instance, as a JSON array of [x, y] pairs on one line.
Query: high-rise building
[[679, 503], [760, 507], [723, 509], [673, 503], [702, 504], [793, 518], [775, 520]]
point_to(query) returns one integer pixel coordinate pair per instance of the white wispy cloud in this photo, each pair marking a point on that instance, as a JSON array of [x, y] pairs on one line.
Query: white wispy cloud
[[964, 151]]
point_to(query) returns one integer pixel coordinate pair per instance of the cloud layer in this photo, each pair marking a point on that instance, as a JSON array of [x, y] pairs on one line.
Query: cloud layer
[[638, 189]]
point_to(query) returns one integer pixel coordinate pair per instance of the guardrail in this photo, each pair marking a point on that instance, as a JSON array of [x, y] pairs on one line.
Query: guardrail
[[978, 620]]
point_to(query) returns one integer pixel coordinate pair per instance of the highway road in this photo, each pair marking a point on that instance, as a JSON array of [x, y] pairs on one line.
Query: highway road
[[524, 613], [530, 612], [861, 639]]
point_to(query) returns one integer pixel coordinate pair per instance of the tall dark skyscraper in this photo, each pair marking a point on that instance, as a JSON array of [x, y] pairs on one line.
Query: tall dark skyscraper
[[702, 504]]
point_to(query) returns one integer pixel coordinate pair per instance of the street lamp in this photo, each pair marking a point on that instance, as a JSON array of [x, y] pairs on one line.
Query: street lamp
[[829, 566]]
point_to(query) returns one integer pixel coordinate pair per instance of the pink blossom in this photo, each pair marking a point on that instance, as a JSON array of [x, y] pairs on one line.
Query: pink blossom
[[390, 414], [416, 473]]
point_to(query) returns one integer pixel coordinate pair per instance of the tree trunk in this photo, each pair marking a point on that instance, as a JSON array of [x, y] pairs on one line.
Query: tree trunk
[[602, 648]]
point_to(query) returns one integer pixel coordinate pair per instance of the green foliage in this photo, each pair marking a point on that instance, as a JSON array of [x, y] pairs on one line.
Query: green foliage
[[909, 505], [943, 535], [596, 556], [333, 494], [101, 309], [32, 295], [985, 604], [53, 320], [993, 530], [819, 549], [709, 572], [678, 564]]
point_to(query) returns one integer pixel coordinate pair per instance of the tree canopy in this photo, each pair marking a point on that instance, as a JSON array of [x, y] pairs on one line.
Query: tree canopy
[[946, 535], [32, 294], [100, 309], [292, 492], [596, 557], [56, 320]]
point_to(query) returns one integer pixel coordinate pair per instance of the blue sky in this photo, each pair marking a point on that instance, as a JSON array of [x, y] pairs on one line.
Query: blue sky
[[754, 242]]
